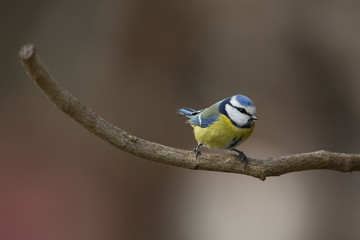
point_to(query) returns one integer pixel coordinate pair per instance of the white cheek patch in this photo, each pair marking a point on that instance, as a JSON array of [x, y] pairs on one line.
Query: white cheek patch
[[237, 117]]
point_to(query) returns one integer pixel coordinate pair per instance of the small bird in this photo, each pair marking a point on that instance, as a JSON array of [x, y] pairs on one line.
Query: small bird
[[223, 125]]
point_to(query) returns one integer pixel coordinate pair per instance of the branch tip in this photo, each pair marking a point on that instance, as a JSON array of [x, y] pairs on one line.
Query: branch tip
[[27, 51]]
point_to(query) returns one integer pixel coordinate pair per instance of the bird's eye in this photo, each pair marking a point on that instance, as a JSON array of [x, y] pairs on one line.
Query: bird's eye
[[242, 110]]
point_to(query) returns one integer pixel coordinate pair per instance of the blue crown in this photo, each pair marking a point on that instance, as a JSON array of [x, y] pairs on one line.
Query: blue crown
[[243, 100]]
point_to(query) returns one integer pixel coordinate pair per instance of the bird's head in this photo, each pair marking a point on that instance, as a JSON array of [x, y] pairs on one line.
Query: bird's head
[[240, 109]]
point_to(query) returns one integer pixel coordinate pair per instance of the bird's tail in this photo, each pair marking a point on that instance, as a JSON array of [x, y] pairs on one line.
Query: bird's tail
[[188, 112]]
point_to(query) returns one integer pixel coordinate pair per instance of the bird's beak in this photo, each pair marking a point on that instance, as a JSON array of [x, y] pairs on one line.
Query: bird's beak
[[254, 117]]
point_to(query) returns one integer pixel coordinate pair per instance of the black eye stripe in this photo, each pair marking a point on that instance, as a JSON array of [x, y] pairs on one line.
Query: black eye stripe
[[242, 110]]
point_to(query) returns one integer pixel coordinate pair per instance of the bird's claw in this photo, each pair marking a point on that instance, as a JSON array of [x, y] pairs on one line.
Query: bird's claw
[[197, 150], [242, 155]]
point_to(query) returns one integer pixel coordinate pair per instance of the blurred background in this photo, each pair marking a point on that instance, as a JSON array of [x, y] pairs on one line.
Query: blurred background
[[134, 62]]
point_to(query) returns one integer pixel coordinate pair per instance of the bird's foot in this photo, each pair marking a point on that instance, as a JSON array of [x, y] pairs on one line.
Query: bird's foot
[[197, 150], [242, 155]]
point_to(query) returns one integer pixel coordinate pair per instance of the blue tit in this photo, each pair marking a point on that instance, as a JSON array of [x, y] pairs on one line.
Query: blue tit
[[224, 125]]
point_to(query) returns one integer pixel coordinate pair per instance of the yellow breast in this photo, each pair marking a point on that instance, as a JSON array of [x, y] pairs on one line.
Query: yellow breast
[[222, 134]]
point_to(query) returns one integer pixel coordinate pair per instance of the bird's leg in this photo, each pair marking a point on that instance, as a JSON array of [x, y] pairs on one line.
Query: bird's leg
[[242, 155], [197, 150]]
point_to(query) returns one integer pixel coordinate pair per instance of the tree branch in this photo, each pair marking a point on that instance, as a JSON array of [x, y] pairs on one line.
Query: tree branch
[[172, 156]]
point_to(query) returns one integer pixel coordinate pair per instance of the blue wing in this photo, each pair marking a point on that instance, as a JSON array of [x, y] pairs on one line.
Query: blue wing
[[202, 118], [198, 120]]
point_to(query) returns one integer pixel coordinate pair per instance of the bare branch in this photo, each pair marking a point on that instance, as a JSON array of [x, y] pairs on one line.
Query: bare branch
[[172, 156]]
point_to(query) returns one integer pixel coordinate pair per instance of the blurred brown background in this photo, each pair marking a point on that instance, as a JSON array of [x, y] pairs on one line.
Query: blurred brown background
[[135, 62]]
